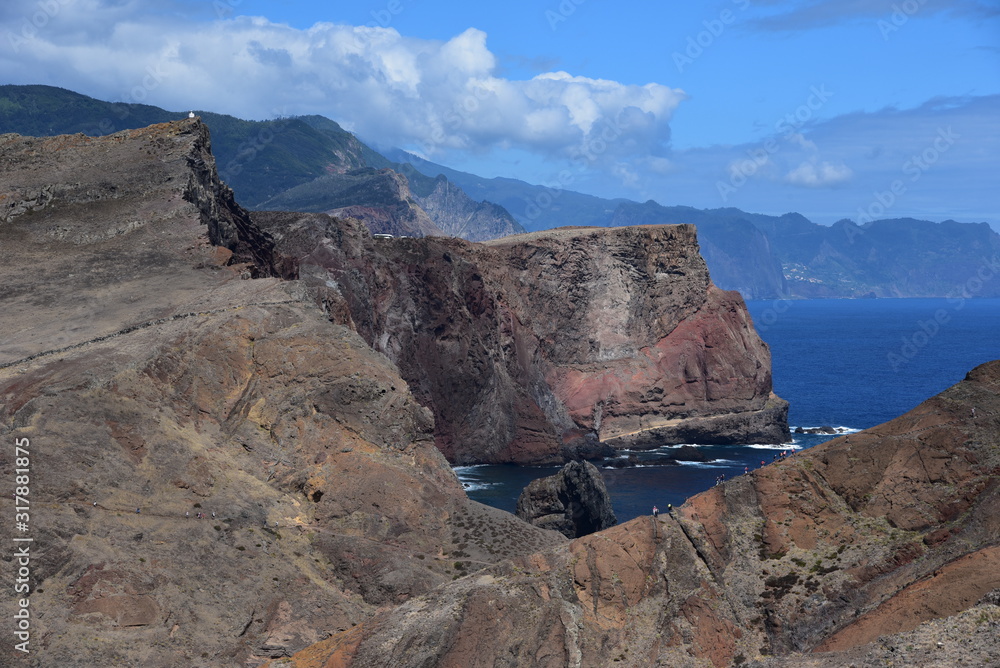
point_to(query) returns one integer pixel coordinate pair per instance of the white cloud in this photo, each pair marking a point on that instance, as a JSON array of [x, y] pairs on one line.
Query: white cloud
[[813, 174], [796, 15], [800, 139], [431, 96], [629, 177]]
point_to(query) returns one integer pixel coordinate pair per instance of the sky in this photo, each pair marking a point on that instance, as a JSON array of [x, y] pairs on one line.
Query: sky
[[860, 109]]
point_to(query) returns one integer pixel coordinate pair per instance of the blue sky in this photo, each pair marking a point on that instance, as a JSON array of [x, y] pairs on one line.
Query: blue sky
[[833, 108]]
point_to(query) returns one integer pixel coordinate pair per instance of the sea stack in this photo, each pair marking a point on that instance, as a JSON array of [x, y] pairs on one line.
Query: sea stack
[[574, 502]]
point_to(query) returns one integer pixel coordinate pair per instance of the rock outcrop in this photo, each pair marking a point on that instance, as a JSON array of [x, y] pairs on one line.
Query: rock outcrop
[[574, 502], [380, 198], [458, 215], [287, 480], [537, 348], [740, 256], [873, 545]]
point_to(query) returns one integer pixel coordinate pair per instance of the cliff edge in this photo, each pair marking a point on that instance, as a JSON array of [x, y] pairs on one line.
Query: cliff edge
[[878, 548], [548, 346], [219, 474]]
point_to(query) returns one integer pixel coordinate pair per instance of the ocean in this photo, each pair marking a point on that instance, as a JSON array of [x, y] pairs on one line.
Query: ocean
[[845, 363]]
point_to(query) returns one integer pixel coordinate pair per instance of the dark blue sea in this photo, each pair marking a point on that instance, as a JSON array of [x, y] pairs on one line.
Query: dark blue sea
[[844, 363]]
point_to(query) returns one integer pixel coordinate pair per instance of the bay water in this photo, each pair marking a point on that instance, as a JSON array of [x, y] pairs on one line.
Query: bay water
[[850, 364]]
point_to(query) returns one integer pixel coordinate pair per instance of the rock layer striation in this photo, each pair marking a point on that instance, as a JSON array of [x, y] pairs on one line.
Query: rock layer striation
[[285, 477], [874, 547], [548, 346]]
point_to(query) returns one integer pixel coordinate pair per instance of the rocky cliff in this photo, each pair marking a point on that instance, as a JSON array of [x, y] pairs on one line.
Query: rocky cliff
[[223, 470], [219, 474], [878, 548], [380, 198], [740, 256], [542, 347], [458, 215], [307, 163]]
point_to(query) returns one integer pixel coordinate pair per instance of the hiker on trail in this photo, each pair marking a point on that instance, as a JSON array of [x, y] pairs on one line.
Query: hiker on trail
[[187, 514], [656, 511], [746, 469], [136, 511], [670, 509], [213, 514], [973, 412]]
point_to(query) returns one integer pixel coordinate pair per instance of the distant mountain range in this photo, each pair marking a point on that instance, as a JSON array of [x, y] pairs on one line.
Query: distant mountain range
[[767, 257], [311, 164]]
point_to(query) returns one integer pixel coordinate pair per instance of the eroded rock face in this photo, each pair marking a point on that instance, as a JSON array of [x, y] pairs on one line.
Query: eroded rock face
[[146, 371], [458, 215], [574, 502], [875, 545], [536, 348]]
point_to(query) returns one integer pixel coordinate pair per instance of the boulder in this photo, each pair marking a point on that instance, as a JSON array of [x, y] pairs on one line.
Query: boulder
[[574, 502]]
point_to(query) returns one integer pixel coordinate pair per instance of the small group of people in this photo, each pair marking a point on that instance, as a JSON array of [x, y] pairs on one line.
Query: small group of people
[[656, 511], [199, 515]]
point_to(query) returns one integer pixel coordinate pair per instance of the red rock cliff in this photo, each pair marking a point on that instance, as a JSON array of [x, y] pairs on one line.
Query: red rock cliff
[[539, 347]]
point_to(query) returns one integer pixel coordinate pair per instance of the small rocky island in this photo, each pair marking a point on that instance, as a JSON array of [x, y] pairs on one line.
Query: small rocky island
[[574, 502]]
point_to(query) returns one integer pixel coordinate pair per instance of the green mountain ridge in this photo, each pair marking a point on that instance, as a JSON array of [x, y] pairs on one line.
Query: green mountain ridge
[[311, 164], [307, 163]]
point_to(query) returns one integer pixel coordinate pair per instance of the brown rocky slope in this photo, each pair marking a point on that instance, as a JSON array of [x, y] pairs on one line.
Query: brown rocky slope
[[148, 371], [548, 346], [878, 548]]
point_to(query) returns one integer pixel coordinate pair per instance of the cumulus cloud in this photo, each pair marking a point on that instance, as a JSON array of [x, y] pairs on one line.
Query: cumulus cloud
[[819, 174], [431, 96]]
